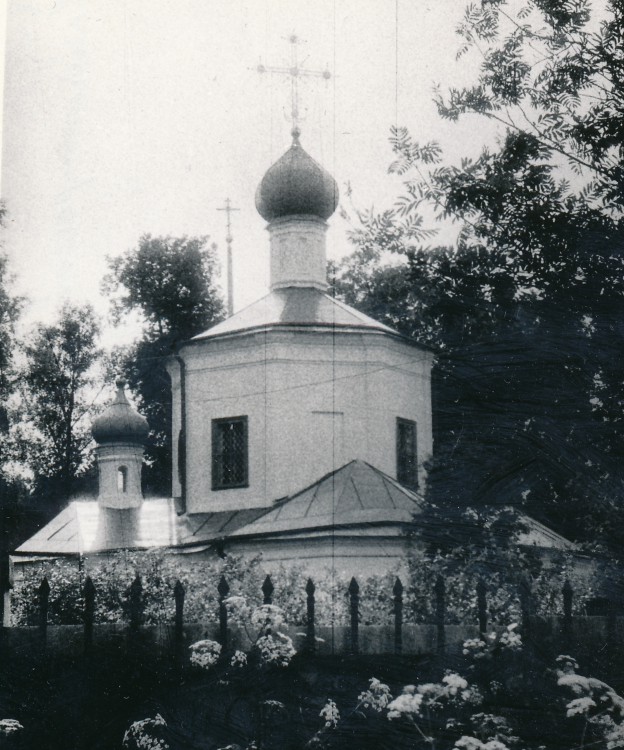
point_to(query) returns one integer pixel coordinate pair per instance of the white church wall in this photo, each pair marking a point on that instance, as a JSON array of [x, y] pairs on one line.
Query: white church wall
[[313, 401], [325, 557]]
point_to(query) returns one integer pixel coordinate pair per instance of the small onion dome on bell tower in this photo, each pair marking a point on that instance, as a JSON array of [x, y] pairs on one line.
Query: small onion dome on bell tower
[[296, 186], [120, 433], [120, 423]]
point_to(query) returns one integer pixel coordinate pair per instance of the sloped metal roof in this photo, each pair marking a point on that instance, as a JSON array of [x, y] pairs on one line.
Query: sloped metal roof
[[356, 494], [84, 527], [295, 306], [352, 500]]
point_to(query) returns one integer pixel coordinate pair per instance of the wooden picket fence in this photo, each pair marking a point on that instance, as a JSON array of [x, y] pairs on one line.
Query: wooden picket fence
[[397, 622]]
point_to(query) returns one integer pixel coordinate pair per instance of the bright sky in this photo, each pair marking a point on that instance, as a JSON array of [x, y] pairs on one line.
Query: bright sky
[[129, 116]]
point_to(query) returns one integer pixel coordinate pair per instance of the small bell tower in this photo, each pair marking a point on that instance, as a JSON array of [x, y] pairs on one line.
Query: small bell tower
[[120, 433]]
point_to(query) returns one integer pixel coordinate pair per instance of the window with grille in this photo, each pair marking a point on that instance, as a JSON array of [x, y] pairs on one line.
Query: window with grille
[[229, 453], [407, 454]]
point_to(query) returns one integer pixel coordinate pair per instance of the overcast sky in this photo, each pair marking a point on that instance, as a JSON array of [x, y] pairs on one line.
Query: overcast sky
[[129, 116]]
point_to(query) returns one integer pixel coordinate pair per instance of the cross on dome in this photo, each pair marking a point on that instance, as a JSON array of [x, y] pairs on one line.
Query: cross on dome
[[294, 71]]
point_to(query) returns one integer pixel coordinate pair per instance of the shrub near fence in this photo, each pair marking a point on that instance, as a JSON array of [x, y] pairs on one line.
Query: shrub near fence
[[500, 570], [398, 635]]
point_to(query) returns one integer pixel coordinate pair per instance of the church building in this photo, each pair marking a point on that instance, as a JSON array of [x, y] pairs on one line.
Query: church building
[[300, 428]]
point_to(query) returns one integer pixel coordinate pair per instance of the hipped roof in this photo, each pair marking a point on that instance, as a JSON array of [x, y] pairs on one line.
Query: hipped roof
[[356, 497], [296, 307], [357, 494]]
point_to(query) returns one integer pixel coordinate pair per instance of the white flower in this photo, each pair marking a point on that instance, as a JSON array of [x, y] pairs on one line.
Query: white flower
[[239, 659], [9, 726], [469, 743], [615, 738], [472, 743], [268, 616], [407, 704], [376, 697], [237, 608], [205, 654], [454, 683], [475, 648], [510, 639], [140, 735], [277, 651], [495, 745], [567, 663], [330, 713], [580, 706]]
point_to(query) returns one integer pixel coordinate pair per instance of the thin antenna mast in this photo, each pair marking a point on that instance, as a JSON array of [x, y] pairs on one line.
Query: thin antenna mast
[[228, 208]]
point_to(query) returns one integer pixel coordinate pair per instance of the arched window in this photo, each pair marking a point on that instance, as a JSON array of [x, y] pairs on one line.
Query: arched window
[[122, 479]]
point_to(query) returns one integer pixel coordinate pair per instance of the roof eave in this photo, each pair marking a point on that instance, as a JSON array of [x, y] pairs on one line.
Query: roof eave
[[314, 327]]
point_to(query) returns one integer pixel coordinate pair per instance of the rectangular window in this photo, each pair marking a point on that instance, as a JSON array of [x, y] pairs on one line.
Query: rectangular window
[[407, 454], [229, 453]]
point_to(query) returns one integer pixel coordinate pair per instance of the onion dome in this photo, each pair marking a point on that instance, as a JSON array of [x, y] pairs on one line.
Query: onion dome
[[296, 184], [120, 423]]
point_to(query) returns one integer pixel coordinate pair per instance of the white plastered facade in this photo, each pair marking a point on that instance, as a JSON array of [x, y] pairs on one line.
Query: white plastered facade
[[314, 400]]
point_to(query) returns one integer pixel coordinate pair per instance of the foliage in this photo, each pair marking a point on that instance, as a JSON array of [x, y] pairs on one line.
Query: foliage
[[10, 307], [495, 700], [501, 571], [57, 401], [113, 575], [596, 709], [525, 308], [170, 283], [146, 734]]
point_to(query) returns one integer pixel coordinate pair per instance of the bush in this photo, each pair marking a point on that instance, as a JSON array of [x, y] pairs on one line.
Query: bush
[[501, 569]]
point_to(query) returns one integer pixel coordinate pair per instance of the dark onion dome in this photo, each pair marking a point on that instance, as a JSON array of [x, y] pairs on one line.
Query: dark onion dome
[[120, 423], [296, 184]]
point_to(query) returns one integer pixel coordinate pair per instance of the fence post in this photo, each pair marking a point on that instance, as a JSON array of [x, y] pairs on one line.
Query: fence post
[[5, 582], [136, 604], [525, 606], [482, 606], [5, 586], [44, 600], [440, 612], [89, 615], [397, 592], [310, 626], [354, 607], [567, 614], [267, 590], [178, 595], [223, 589]]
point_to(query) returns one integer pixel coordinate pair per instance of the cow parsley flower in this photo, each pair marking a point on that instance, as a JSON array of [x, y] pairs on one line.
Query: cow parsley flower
[[205, 654], [510, 639], [266, 617], [376, 697], [454, 682], [580, 706], [406, 705], [476, 648], [239, 659], [331, 714], [143, 735], [276, 650], [9, 726]]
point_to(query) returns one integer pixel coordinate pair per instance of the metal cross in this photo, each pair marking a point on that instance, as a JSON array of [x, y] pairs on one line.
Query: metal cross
[[228, 208], [295, 72]]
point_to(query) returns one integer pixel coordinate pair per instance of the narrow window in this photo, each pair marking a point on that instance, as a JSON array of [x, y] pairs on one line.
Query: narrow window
[[407, 454], [122, 479], [229, 453]]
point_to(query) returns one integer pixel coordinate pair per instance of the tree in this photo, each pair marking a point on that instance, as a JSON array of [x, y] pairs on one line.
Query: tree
[[526, 308], [170, 283], [57, 401]]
